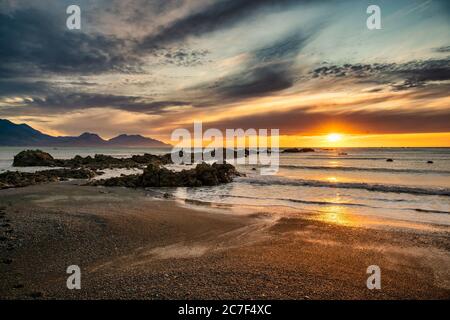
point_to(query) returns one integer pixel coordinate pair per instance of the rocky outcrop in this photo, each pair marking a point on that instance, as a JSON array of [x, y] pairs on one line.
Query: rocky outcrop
[[38, 158], [156, 176], [15, 179], [297, 150], [33, 158]]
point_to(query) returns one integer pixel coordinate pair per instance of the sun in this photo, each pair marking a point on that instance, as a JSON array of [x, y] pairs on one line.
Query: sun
[[334, 137]]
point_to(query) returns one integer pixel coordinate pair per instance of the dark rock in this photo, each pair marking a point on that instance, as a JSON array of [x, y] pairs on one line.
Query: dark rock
[[18, 286], [297, 150], [7, 261], [14, 179], [33, 158], [156, 176], [389, 160], [429, 161]]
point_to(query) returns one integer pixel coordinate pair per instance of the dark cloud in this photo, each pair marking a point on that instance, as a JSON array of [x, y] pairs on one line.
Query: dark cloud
[[445, 49], [268, 69], [182, 57], [258, 81], [18, 87], [33, 42], [400, 76], [62, 102], [70, 101], [211, 18], [305, 121]]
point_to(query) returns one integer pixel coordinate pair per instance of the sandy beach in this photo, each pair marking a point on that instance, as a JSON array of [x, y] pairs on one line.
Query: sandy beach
[[132, 246]]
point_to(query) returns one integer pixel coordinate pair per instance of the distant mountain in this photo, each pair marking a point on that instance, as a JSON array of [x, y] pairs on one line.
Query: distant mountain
[[12, 134], [134, 140]]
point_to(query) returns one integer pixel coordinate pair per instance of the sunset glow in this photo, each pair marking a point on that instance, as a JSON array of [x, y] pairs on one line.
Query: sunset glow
[[334, 137], [321, 83]]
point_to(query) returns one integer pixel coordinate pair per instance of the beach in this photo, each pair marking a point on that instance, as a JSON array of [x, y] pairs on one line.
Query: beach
[[130, 244]]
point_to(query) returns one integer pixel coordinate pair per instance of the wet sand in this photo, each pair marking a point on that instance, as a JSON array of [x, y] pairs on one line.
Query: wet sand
[[131, 246]]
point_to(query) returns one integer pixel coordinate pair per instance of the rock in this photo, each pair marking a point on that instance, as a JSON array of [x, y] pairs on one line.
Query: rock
[[253, 169], [156, 176], [33, 158], [389, 160], [14, 179], [7, 261], [429, 161], [98, 162], [297, 150]]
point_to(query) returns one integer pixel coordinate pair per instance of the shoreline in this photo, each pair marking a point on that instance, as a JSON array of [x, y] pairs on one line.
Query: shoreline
[[130, 246]]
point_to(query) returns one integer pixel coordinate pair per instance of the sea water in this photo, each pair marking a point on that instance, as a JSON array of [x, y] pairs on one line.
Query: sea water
[[333, 183]]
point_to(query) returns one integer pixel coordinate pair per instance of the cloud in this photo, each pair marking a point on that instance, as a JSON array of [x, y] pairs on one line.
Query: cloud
[[399, 76], [306, 121], [86, 100], [33, 41], [444, 49], [64, 102], [266, 70], [20, 87], [181, 57], [218, 15]]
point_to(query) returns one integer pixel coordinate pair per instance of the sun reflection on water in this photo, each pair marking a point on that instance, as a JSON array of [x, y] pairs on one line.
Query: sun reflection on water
[[337, 215]]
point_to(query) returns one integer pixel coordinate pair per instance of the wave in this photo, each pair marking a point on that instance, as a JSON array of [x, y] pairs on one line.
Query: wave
[[342, 168], [331, 203], [347, 185], [335, 157], [326, 203], [430, 211], [320, 203]]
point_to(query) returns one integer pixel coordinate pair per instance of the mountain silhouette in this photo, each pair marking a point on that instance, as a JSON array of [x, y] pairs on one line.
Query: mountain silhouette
[[12, 134]]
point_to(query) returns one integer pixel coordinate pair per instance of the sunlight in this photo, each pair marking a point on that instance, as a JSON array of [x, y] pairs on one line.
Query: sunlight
[[334, 137]]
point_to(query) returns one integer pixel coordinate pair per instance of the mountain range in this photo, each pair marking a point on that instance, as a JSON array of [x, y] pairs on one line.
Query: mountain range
[[12, 134]]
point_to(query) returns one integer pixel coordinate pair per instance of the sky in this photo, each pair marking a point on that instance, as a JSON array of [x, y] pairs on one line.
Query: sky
[[308, 68]]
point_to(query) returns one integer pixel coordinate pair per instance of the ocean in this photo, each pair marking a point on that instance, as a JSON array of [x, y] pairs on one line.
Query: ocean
[[336, 184]]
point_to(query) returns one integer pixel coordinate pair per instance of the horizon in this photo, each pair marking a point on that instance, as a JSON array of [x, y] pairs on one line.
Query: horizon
[[311, 75], [326, 143]]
